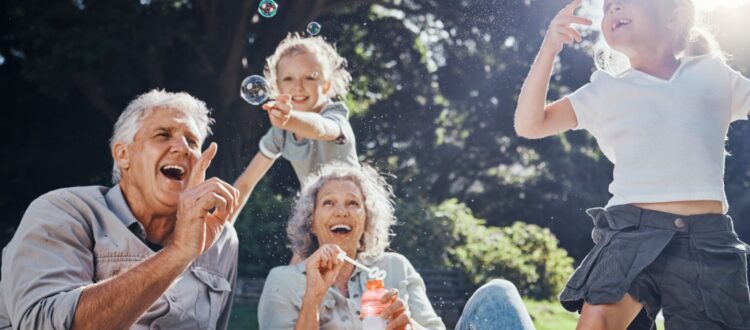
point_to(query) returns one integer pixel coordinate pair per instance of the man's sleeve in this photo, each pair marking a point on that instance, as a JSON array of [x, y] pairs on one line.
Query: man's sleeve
[[46, 265]]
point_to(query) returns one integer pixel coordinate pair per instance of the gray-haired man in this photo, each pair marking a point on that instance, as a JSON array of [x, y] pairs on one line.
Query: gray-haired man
[[146, 253]]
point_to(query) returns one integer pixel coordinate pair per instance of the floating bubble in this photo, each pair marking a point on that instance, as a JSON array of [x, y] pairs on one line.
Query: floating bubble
[[2, 59], [313, 28], [145, 2], [255, 90], [268, 8]]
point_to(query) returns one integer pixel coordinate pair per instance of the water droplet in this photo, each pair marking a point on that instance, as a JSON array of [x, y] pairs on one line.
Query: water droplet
[[2, 59], [254, 90], [313, 28], [268, 8]]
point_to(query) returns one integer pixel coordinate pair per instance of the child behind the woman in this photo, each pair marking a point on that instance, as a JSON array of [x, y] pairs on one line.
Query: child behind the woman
[[309, 129], [663, 241]]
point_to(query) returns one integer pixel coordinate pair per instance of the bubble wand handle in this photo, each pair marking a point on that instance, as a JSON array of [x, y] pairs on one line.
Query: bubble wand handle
[[374, 272]]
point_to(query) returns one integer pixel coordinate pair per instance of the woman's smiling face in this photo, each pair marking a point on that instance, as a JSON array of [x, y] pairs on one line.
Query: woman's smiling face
[[340, 215]]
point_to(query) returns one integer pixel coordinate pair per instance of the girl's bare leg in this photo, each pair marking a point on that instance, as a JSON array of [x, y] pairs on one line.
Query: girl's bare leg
[[609, 316]]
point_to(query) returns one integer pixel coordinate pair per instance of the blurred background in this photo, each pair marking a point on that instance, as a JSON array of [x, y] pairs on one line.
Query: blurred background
[[434, 91]]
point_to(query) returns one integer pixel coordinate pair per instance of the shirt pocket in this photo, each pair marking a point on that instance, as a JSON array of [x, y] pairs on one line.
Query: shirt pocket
[[218, 290], [111, 265]]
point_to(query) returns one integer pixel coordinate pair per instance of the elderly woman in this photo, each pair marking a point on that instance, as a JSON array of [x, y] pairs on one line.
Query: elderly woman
[[350, 209]]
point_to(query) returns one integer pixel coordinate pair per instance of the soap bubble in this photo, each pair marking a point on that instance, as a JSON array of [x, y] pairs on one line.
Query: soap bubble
[[255, 90], [313, 28], [268, 8]]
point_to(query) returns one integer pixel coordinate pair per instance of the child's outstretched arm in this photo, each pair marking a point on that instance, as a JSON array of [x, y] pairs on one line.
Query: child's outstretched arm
[[533, 119], [308, 125], [246, 182]]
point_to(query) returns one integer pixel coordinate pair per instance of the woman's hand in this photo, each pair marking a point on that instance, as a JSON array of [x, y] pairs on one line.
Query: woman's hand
[[395, 314], [560, 32], [322, 267]]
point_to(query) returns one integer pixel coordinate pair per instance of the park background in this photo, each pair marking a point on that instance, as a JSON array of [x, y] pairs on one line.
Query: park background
[[433, 95]]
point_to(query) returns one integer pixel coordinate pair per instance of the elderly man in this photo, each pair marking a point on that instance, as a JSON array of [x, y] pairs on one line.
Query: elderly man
[[154, 251]]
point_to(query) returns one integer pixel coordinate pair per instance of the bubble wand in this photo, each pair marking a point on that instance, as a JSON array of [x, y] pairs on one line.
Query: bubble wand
[[373, 272]]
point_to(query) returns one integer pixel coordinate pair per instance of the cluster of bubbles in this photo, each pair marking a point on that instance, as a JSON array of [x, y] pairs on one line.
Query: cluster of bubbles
[[255, 90], [268, 8]]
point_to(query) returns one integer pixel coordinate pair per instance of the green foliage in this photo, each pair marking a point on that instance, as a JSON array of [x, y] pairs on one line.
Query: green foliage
[[261, 228], [450, 236], [524, 254], [421, 236]]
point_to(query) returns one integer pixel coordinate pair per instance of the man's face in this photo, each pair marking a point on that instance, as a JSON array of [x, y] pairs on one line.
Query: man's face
[[158, 162]]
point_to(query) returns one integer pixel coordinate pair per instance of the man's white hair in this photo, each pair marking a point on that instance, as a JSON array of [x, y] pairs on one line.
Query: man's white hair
[[130, 120]]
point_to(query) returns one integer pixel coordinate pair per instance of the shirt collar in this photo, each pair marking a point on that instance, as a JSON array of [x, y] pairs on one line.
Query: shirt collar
[[117, 203]]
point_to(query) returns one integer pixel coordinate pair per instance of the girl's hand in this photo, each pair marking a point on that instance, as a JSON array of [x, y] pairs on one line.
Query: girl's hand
[[279, 110], [322, 267], [560, 32]]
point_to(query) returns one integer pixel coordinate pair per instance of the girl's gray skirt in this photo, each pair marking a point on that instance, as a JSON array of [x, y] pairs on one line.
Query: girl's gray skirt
[[694, 268]]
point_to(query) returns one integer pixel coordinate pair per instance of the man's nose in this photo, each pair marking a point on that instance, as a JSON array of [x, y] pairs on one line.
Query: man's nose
[[180, 145]]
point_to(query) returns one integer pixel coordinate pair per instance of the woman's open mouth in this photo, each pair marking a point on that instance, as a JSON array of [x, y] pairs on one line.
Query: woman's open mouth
[[340, 229]]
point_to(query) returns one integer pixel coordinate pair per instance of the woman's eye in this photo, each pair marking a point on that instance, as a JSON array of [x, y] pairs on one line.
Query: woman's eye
[[353, 203]]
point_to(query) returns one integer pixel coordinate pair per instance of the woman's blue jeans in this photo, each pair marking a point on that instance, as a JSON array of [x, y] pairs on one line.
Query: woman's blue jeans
[[496, 305]]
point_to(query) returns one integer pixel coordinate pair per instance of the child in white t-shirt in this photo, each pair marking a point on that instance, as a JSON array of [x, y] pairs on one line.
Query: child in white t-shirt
[[663, 241], [309, 129]]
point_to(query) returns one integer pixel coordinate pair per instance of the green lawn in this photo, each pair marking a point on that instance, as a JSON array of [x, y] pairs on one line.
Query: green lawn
[[547, 315]]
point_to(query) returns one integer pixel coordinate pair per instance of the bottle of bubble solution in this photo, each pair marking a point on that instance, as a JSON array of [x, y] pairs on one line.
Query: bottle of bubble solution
[[372, 307]]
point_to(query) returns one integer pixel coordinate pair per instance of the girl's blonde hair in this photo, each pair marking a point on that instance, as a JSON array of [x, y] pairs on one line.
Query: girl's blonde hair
[[333, 64], [692, 39]]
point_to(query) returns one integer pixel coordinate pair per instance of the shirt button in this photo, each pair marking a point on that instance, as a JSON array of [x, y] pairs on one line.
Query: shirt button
[[172, 298], [345, 318], [352, 279], [680, 223], [356, 295]]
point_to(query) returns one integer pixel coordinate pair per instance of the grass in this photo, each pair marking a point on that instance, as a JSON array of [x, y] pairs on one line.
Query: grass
[[547, 315]]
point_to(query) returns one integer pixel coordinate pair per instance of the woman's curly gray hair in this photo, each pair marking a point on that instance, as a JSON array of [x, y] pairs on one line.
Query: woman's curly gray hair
[[379, 208], [333, 64]]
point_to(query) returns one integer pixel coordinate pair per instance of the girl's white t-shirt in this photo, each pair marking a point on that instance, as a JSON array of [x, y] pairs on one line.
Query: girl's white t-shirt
[[666, 138]]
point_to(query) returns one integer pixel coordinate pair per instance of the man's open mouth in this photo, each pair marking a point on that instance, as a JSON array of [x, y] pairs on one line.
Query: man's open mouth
[[174, 172]]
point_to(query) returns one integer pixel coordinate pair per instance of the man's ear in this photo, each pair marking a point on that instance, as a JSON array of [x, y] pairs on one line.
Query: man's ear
[[121, 156]]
